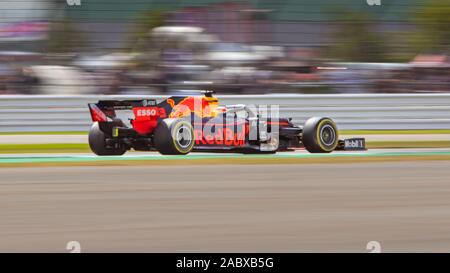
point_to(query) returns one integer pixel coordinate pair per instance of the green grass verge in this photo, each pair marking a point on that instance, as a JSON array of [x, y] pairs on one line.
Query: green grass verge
[[43, 133], [44, 148], [84, 148], [408, 144]]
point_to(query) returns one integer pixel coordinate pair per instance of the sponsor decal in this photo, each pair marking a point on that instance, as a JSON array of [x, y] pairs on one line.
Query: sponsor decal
[[198, 105], [146, 112], [149, 113], [146, 119], [222, 136], [354, 143]]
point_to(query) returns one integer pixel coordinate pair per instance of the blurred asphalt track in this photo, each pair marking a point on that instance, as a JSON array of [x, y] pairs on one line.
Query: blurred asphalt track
[[227, 208]]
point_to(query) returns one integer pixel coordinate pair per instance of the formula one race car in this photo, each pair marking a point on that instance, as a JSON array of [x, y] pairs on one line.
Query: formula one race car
[[181, 124]]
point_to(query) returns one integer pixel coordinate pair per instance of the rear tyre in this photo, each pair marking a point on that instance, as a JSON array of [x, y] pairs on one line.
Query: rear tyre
[[97, 143], [320, 135], [174, 137]]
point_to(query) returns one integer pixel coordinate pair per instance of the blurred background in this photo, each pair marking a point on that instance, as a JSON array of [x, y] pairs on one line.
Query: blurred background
[[235, 47]]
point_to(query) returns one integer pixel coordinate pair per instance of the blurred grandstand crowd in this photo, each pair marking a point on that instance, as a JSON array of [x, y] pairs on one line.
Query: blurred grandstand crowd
[[239, 47]]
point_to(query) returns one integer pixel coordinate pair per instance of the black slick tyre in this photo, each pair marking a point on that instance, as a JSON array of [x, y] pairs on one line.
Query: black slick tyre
[[174, 137], [320, 135], [97, 143]]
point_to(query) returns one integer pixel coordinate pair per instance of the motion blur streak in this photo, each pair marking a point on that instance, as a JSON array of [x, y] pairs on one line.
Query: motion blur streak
[[252, 46], [327, 207]]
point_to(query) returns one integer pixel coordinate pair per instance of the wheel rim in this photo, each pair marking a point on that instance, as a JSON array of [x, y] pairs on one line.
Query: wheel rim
[[327, 135], [184, 136]]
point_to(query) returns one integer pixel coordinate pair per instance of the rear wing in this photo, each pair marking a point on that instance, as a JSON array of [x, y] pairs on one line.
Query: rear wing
[[105, 110], [125, 104]]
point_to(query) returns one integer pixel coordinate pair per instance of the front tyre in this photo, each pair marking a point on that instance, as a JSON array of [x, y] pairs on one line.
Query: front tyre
[[174, 137], [97, 143], [320, 135]]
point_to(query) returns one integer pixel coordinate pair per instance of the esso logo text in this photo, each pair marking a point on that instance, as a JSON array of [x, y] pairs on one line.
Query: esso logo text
[[146, 112]]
